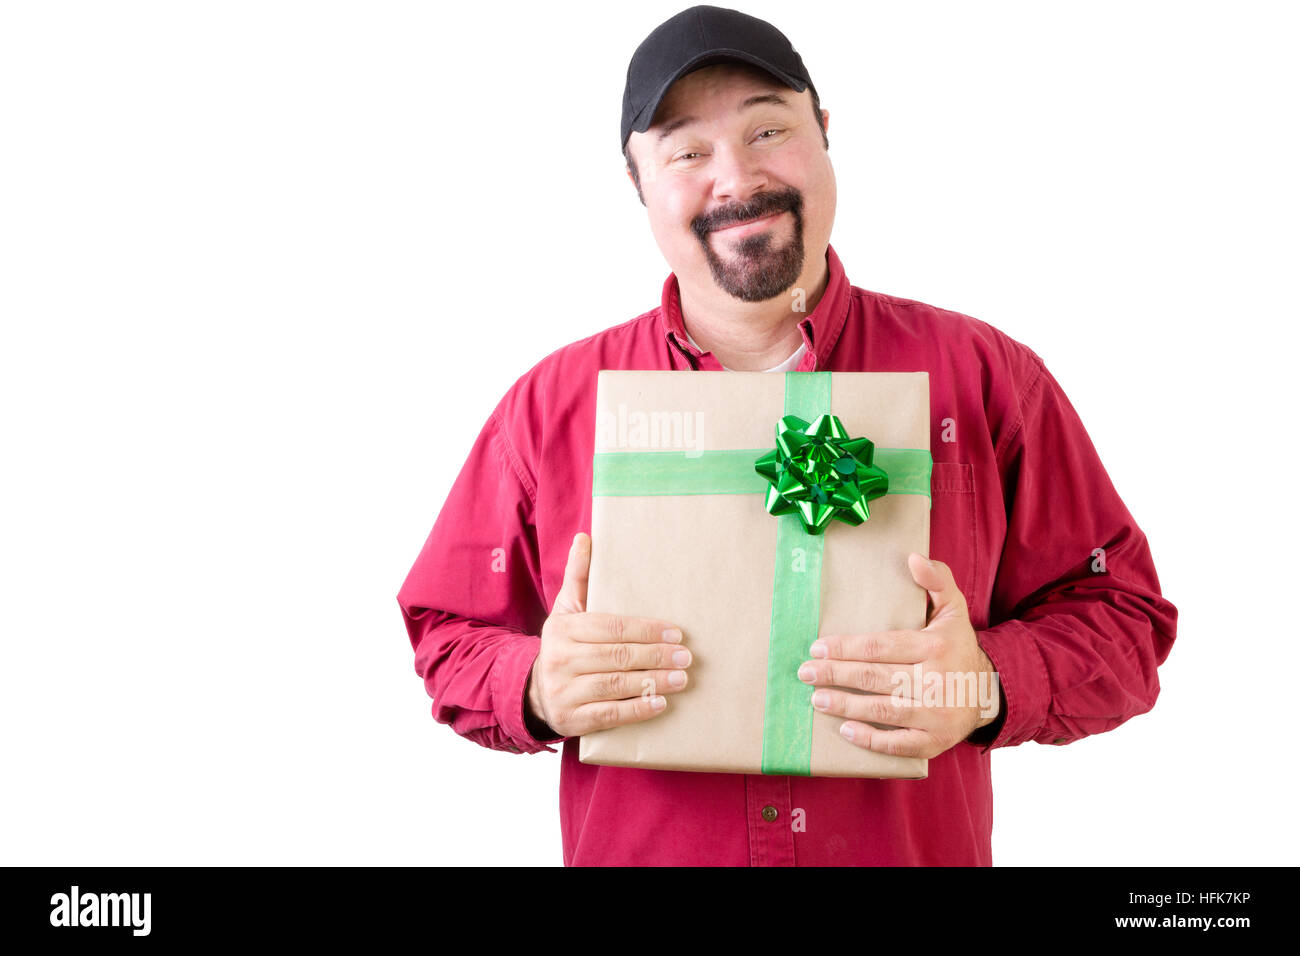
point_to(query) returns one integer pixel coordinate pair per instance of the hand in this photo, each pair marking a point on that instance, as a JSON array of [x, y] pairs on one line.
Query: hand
[[601, 670], [930, 720]]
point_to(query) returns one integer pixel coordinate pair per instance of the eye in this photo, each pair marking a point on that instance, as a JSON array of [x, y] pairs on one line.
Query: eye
[[766, 131], [686, 156]]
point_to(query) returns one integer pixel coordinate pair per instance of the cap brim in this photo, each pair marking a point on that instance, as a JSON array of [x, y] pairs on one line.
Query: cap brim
[[645, 116]]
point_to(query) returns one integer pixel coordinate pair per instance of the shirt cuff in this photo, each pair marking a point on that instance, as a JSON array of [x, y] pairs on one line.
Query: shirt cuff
[[1023, 682], [509, 681]]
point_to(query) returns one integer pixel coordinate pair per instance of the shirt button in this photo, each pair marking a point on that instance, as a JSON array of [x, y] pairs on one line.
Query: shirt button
[[769, 813], [1059, 740]]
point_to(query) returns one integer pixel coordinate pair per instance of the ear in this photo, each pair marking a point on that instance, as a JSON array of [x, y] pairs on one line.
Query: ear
[[826, 121]]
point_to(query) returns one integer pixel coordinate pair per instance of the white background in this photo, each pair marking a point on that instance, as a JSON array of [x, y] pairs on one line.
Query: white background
[[266, 267]]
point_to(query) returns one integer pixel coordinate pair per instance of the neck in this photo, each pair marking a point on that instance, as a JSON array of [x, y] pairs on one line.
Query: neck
[[751, 336]]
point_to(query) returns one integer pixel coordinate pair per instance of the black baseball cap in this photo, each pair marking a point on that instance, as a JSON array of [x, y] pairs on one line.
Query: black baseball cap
[[699, 37]]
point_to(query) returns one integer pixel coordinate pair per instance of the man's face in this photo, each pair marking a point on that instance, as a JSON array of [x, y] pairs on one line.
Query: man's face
[[736, 180]]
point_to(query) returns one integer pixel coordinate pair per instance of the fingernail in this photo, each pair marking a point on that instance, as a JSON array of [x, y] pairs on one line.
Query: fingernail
[[807, 674], [658, 703], [818, 649], [846, 731], [673, 636], [821, 700], [681, 658], [677, 678]]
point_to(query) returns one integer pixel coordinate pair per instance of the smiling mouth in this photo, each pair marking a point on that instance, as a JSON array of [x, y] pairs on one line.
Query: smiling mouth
[[760, 221]]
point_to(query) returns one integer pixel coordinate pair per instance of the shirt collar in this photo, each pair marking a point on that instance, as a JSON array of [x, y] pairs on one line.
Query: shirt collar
[[820, 330]]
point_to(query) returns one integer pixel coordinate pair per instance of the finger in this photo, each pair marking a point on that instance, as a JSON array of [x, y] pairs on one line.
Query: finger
[[587, 658], [622, 685], [617, 628], [945, 596], [880, 708], [886, 647], [604, 714], [858, 675], [572, 597], [895, 743]]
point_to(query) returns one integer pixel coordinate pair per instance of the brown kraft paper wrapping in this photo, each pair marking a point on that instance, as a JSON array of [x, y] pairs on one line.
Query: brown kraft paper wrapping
[[705, 562]]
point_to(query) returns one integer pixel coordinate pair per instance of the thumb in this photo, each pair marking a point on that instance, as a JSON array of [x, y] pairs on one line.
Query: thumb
[[572, 598], [936, 577]]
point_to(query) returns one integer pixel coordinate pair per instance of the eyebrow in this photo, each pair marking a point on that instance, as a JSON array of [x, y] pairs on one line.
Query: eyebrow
[[675, 125]]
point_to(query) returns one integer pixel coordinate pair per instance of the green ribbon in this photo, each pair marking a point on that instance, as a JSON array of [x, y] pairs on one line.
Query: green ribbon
[[796, 587], [729, 472]]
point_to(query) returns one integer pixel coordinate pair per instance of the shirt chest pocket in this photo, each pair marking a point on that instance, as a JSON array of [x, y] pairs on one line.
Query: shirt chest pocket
[[953, 529]]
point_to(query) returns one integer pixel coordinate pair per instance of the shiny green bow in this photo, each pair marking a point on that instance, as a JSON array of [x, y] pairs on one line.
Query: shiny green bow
[[820, 473]]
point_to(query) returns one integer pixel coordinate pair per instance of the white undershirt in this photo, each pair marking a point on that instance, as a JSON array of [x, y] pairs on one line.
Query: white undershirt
[[789, 365]]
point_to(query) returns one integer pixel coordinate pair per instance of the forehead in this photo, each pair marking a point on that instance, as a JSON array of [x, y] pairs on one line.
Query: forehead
[[716, 85]]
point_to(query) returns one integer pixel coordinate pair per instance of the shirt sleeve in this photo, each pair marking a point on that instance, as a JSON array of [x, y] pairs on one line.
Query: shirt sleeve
[[472, 602], [1079, 623]]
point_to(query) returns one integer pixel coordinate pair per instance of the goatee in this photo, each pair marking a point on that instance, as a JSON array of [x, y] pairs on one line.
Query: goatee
[[760, 267]]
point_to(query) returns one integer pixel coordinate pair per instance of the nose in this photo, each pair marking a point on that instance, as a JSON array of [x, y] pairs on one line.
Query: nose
[[737, 174]]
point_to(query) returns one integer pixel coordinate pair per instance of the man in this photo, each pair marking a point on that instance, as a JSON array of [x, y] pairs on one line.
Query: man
[[1039, 573]]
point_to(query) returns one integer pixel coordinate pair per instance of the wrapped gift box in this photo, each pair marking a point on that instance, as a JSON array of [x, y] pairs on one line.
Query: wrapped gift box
[[684, 528]]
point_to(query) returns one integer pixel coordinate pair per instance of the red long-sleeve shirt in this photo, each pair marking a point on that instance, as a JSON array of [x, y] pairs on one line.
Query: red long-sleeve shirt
[[1020, 506]]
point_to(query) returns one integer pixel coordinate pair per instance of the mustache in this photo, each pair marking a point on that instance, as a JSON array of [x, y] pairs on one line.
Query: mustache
[[763, 204]]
